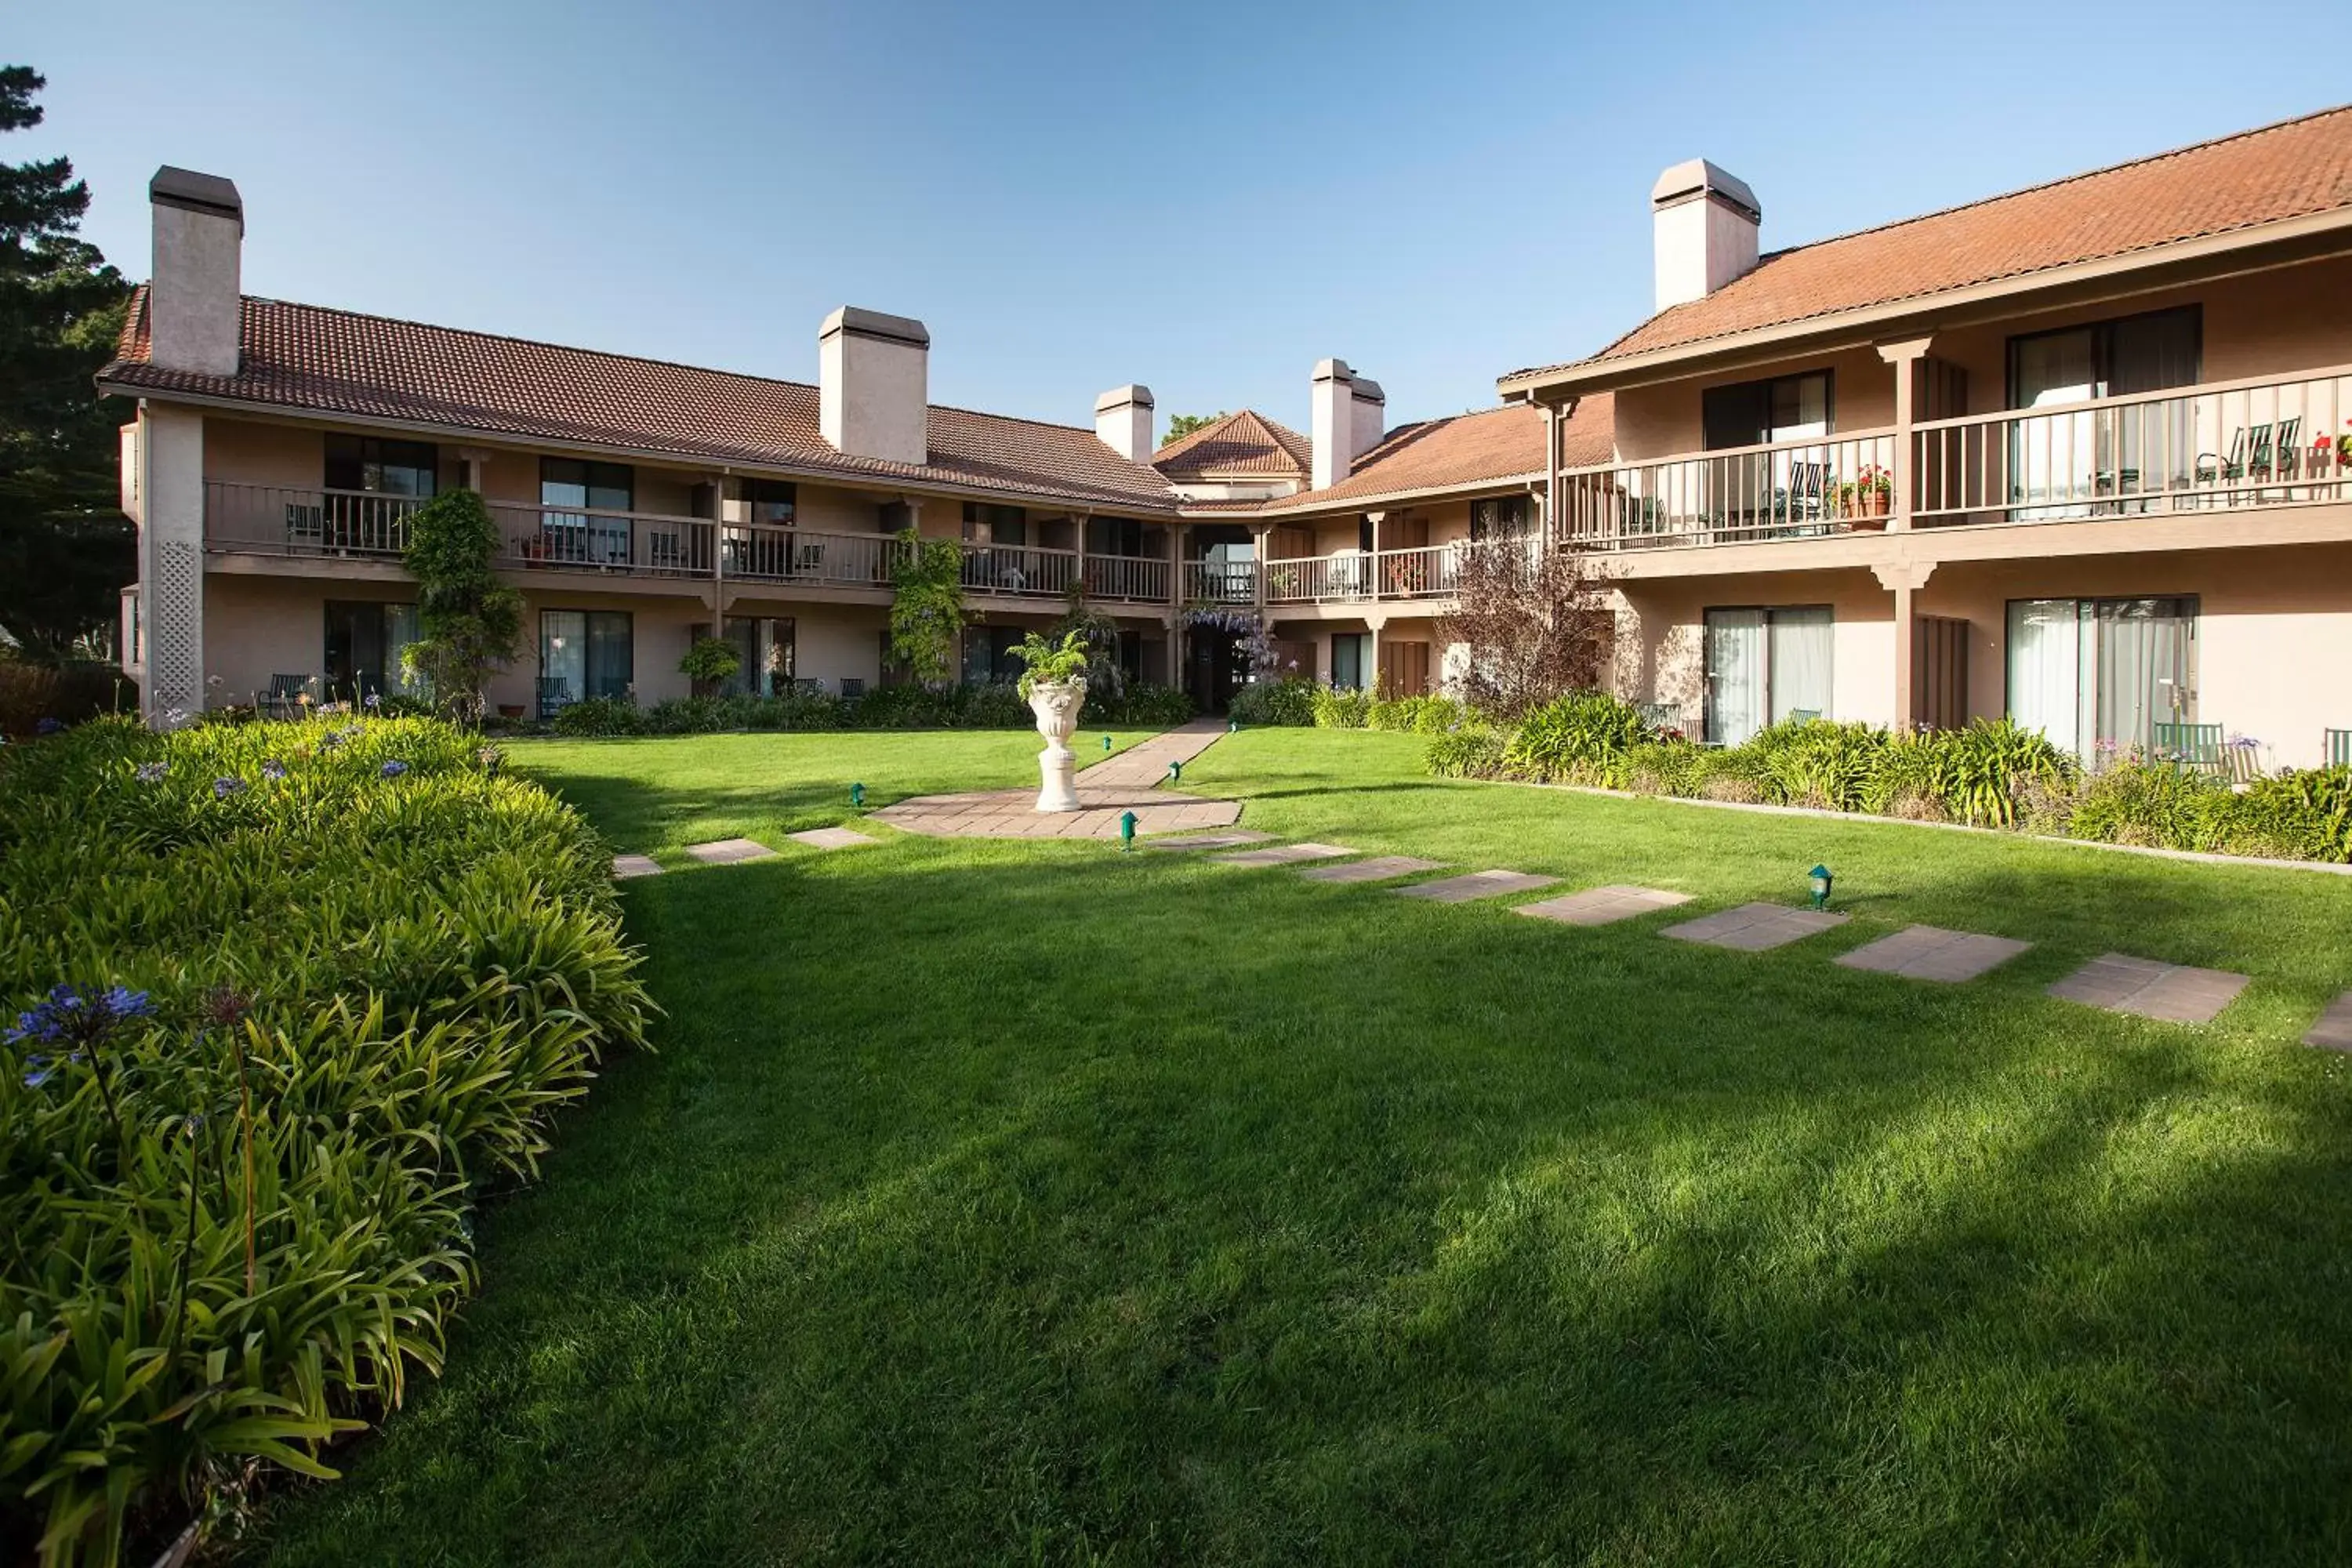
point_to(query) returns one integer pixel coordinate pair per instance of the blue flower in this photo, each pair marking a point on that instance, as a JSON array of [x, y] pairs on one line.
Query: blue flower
[[50, 726], [152, 773], [375, 700], [393, 769], [68, 1016], [273, 769], [224, 788]]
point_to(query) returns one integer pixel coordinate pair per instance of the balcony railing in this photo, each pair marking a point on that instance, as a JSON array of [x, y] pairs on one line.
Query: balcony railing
[[2214, 446], [296, 520], [1024, 570], [645, 543], [1319, 579], [757, 553], [1432, 571], [1789, 490], [1220, 582], [1126, 579]]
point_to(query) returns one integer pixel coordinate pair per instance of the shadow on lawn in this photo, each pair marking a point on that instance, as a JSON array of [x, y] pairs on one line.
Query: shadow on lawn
[[1040, 1200]]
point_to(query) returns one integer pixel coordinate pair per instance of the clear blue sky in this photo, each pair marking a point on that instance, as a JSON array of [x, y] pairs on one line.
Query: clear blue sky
[[1204, 197]]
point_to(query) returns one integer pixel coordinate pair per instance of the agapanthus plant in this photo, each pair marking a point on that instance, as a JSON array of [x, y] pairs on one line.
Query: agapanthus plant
[[80, 1022]]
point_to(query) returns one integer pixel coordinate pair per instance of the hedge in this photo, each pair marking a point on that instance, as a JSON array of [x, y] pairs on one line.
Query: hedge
[[290, 998], [973, 706]]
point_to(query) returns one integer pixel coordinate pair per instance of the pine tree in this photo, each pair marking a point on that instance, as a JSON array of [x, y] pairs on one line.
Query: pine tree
[[65, 547]]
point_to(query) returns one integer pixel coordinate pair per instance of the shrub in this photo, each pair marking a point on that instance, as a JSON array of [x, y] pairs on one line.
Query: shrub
[[67, 693], [1287, 701], [373, 969], [1582, 738], [1141, 706], [710, 661], [1341, 707], [468, 621], [1414, 715], [1045, 662], [599, 716], [1474, 749]]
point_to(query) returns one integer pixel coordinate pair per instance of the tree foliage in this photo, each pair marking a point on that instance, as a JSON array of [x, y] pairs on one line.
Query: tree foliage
[[1535, 626], [65, 550], [469, 623], [1183, 425], [709, 663], [927, 606]]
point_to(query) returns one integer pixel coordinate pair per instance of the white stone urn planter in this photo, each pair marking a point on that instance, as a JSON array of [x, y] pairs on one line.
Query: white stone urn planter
[[1057, 705]]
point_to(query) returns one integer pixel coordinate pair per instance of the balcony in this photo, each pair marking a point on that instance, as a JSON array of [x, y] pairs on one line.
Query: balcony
[[626, 542], [2217, 447], [1789, 490], [276, 519]]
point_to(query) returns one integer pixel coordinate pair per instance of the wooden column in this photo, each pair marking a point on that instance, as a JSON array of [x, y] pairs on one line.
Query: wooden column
[[1905, 357], [1904, 579], [1377, 518]]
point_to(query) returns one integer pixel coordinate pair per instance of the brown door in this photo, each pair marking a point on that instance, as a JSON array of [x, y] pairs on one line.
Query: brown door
[[1404, 669]]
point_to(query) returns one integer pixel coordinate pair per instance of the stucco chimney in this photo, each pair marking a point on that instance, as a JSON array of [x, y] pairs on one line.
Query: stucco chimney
[[1369, 417], [195, 302], [1123, 418], [1333, 429], [874, 389], [1706, 224]]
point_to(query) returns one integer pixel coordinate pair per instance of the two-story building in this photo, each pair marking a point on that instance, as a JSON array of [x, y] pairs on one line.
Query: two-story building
[[2076, 454]]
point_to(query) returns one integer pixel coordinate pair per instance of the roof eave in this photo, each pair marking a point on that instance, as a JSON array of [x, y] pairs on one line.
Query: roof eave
[[1466, 489], [2204, 257], [815, 472]]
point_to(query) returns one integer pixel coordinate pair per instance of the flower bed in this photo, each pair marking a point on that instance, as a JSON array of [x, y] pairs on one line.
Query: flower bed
[[290, 997], [1991, 775]]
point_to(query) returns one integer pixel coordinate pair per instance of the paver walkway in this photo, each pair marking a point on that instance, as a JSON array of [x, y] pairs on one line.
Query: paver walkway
[[1475, 885], [1284, 855], [627, 866], [1107, 791], [1603, 906], [1378, 868], [1930, 953], [2334, 1030], [730, 851], [2174, 993], [1753, 928], [832, 839]]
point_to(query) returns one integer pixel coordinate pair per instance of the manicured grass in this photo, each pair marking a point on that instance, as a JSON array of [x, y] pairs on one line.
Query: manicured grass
[[1028, 1201]]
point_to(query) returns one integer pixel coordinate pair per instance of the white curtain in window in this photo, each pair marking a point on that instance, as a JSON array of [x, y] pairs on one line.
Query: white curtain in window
[[399, 631], [1735, 674], [563, 654], [1799, 646], [2045, 668]]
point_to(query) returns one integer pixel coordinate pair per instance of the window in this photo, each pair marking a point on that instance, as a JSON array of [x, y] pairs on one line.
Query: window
[[1755, 412], [1764, 667], [1503, 517], [1114, 536], [364, 639], [764, 644], [583, 531], [986, 524], [381, 468], [2067, 462], [2146, 353], [769, 501], [1352, 661], [2095, 675], [987, 655], [583, 653]]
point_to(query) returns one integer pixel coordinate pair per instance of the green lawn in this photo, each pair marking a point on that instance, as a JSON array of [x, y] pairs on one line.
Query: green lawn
[[1031, 1202]]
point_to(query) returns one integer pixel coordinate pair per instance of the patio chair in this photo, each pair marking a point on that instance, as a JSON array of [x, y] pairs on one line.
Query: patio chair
[[852, 687], [2338, 745], [1661, 715], [554, 693], [1804, 715], [2195, 748], [286, 694]]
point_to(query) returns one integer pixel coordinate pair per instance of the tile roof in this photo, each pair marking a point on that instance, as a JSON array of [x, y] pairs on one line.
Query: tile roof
[[1243, 443], [330, 363], [2293, 169], [1465, 452]]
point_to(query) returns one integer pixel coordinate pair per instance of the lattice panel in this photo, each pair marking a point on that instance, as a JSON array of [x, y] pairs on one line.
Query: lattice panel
[[175, 629]]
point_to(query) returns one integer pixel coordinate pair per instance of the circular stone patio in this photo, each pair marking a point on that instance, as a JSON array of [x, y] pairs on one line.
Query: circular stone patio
[[1107, 791]]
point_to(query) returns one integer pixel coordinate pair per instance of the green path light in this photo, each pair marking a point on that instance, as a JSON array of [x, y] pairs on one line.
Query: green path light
[[1820, 883], [857, 797], [1105, 742], [1175, 772], [1126, 831], [1232, 726]]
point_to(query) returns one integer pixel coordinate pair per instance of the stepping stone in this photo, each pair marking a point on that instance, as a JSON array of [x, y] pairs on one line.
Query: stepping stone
[[831, 838], [2334, 1030], [1475, 885], [625, 866], [729, 851], [1284, 855], [1378, 868], [2172, 991], [1929, 952], [1209, 840], [1603, 906], [1753, 928]]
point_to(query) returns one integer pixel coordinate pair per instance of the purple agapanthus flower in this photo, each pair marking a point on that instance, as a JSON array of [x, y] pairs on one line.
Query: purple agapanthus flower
[[224, 788], [152, 773], [49, 726], [375, 700], [393, 769], [273, 769], [69, 1017]]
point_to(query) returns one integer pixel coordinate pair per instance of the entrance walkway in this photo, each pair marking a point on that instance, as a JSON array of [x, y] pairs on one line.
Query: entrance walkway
[[1107, 791]]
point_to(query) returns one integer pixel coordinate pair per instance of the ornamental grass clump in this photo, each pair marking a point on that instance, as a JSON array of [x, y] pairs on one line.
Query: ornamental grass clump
[[273, 1042]]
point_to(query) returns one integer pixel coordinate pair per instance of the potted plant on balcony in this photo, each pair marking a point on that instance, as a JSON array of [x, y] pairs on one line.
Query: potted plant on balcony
[[1877, 489], [1053, 681]]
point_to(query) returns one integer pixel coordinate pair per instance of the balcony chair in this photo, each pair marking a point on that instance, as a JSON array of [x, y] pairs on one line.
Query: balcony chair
[[2190, 748], [554, 694], [665, 550], [286, 694], [306, 525], [852, 687], [1661, 715], [1804, 715], [1798, 509], [2338, 745]]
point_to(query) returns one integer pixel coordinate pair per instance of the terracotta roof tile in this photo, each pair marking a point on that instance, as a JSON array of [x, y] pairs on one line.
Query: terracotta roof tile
[[1465, 452], [1243, 443], [331, 362], [2290, 170]]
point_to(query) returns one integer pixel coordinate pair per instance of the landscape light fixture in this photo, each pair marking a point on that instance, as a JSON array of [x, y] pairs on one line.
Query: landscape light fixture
[[1820, 882], [1126, 831], [1105, 742], [857, 797], [1175, 772], [1232, 726]]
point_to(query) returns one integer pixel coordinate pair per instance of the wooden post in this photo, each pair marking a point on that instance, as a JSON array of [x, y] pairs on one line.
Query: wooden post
[[1905, 357]]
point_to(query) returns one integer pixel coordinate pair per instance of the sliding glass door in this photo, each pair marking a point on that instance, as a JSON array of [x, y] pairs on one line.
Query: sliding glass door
[[583, 653], [1764, 666], [2071, 463], [2097, 676]]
